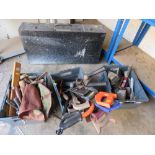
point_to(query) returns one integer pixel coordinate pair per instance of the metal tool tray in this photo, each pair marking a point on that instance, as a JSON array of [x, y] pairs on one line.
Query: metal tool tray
[[73, 74], [70, 74], [58, 44], [15, 119], [139, 92]]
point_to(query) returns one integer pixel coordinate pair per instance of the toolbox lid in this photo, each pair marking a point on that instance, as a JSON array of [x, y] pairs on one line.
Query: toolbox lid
[[61, 27]]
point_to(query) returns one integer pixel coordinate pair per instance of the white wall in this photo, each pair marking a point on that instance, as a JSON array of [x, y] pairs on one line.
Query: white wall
[[148, 42], [9, 27]]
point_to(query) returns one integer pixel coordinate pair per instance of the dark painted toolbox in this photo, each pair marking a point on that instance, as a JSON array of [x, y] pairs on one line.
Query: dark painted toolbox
[[58, 44]]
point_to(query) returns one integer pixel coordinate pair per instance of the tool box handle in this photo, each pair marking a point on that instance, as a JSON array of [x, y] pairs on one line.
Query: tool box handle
[[63, 25], [61, 28]]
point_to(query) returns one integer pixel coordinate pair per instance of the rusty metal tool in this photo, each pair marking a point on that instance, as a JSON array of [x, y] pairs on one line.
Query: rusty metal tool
[[97, 71], [125, 79], [121, 94], [15, 83], [77, 105], [81, 106], [86, 93], [114, 78]]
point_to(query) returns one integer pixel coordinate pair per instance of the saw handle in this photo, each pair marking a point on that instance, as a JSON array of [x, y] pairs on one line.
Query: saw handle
[[68, 120]]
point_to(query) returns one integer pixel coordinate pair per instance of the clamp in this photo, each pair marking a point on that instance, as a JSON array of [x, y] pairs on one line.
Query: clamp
[[75, 104], [86, 93], [82, 106]]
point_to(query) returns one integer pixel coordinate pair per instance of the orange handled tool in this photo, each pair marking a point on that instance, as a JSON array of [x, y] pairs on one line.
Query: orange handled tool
[[89, 111], [109, 98]]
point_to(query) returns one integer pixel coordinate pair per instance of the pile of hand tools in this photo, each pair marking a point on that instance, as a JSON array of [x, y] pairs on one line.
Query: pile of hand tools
[[84, 98], [88, 96], [122, 84], [28, 97]]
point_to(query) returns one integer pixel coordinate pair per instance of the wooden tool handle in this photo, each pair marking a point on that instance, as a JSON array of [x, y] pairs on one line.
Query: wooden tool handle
[[15, 83], [12, 111]]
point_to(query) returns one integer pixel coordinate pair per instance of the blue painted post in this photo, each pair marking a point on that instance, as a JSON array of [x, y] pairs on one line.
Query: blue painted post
[[138, 33], [113, 40], [151, 22], [144, 31], [119, 37]]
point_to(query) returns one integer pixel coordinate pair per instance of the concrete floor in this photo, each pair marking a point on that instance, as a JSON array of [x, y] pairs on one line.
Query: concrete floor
[[139, 120]]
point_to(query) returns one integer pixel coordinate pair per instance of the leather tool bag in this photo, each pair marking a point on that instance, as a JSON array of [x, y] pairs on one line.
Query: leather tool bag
[[31, 105]]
